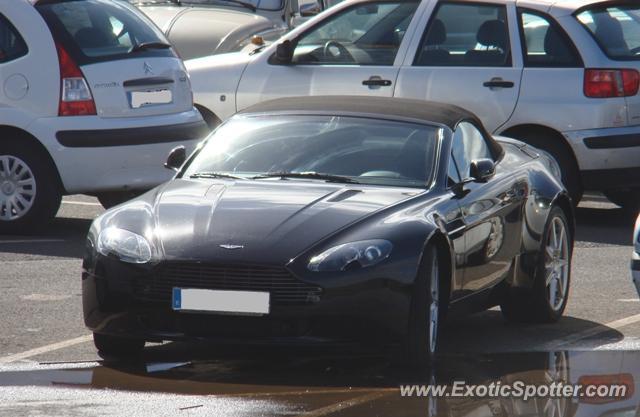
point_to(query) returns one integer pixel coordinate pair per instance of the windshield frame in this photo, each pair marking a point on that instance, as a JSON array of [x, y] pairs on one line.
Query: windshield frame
[[440, 132]]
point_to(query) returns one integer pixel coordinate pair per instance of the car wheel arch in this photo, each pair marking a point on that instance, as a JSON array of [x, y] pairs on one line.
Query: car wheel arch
[[14, 133], [210, 118], [531, 134], [564, 202]]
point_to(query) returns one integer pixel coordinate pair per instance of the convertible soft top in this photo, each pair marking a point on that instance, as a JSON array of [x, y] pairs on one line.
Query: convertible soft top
[[427, 111]]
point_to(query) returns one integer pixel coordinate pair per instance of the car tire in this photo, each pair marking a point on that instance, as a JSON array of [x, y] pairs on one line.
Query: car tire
[[628, 199], [425, 312], [568, 166], [542, 304], [30, 193], [118, 347], [113, 198]]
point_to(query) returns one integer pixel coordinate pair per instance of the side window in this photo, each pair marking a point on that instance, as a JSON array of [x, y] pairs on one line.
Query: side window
[[544, 44], [365, 34], [12, 46], [468, 145], [461, 34]]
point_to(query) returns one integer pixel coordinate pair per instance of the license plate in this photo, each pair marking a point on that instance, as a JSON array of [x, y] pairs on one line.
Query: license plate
[[147, 98], [221, 301]]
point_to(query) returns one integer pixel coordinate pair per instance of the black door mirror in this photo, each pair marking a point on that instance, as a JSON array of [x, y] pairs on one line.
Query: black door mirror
[[284, 52], [176, 158], [482, 170]]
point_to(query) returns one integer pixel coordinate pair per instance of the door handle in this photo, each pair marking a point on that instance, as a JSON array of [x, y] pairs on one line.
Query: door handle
[[376, 82], [498, 83]]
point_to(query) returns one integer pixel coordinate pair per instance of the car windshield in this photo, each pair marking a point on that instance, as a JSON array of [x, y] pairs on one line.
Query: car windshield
[[616, 29], [330, 148], [102, 30], [258, 4]]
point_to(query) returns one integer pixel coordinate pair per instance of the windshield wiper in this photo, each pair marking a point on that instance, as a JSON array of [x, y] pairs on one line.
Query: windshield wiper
[[242, 3], [143, 46], [311, 175], [214, 175]]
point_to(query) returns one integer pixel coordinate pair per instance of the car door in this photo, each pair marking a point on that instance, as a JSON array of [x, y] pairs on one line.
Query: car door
[[492, 211], [355, 51], [465, 57]]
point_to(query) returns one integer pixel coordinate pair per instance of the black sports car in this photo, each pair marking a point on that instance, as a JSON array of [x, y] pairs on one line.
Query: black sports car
[[335, 217]]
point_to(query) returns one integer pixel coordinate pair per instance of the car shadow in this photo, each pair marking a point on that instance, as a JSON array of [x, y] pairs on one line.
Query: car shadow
[[604, 225], [63, 237]]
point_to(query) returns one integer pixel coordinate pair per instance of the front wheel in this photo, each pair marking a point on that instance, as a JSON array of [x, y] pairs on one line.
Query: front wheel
[[29, 193], [546, 301], [118, 347], [424, 316]]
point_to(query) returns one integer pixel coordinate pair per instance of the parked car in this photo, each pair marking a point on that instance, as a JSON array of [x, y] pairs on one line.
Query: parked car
[[561, 76], [349, 217], [92, 97], [635, 260], [198, 28]]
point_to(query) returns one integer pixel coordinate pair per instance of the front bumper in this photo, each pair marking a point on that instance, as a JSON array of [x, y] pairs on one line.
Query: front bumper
[[114, 304], [607, 158]]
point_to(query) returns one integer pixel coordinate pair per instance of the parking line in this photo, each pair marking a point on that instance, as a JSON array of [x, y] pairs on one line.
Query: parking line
[[594, 331], [342, 405], [82, 203], [45, 349]]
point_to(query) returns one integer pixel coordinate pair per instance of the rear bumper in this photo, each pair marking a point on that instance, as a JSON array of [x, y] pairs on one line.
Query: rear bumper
[[94, 155], [608, 158]]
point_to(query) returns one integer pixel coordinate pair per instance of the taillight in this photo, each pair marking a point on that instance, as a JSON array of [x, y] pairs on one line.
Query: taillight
[[75, 95], [606, 83]]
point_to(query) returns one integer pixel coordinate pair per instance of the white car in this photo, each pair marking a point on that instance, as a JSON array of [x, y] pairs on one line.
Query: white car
[[92, 99], [559, 75]]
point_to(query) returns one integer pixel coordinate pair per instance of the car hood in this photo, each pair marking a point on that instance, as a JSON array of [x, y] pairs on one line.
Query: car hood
[[265, 221], [202, 31]]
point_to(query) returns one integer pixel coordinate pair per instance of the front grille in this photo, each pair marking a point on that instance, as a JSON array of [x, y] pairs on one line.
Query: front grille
[[284, 288]]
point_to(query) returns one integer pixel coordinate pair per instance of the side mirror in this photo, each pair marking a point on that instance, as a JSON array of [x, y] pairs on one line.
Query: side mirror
[[176, 158], [284, 52], [310, 9], [482, 170]]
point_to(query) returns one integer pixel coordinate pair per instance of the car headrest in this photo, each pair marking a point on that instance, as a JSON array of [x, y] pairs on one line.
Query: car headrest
[[493, 33], [437, 33]]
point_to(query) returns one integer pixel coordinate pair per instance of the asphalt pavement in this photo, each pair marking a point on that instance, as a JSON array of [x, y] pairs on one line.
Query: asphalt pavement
[[48, 365]]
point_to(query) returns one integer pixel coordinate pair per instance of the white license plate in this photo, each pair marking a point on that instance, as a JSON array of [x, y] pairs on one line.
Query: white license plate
[[221, 301], [148, 98]]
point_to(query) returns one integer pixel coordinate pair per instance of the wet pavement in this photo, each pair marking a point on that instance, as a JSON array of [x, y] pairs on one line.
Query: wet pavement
[[278, 381]]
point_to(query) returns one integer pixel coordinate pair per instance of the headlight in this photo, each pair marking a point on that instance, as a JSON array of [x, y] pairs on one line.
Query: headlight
[[127, 246], [351, 255]]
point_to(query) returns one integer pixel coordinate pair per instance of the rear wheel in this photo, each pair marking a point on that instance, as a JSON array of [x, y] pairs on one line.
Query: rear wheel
[[563, 156], [546, 301], [29, 191], [628, 199], [119, 347], [424, 318]]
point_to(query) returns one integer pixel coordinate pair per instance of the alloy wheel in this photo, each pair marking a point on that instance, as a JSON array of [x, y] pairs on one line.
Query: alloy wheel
[[557, 264], [17, 188], [434, 291]]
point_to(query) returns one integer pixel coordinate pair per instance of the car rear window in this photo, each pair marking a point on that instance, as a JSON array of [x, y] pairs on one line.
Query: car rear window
[[101, 30], [616, 28]]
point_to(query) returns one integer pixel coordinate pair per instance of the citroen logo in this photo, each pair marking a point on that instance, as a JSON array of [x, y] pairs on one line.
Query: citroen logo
[[147, 68], [232, 247]]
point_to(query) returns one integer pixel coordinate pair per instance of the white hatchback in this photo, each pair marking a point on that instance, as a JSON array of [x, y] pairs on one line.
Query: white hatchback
[[559, 75], [92, 98]]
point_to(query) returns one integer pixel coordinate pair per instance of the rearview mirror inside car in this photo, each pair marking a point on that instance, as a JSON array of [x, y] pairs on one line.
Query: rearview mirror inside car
[[176, 158], [482, 170]]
